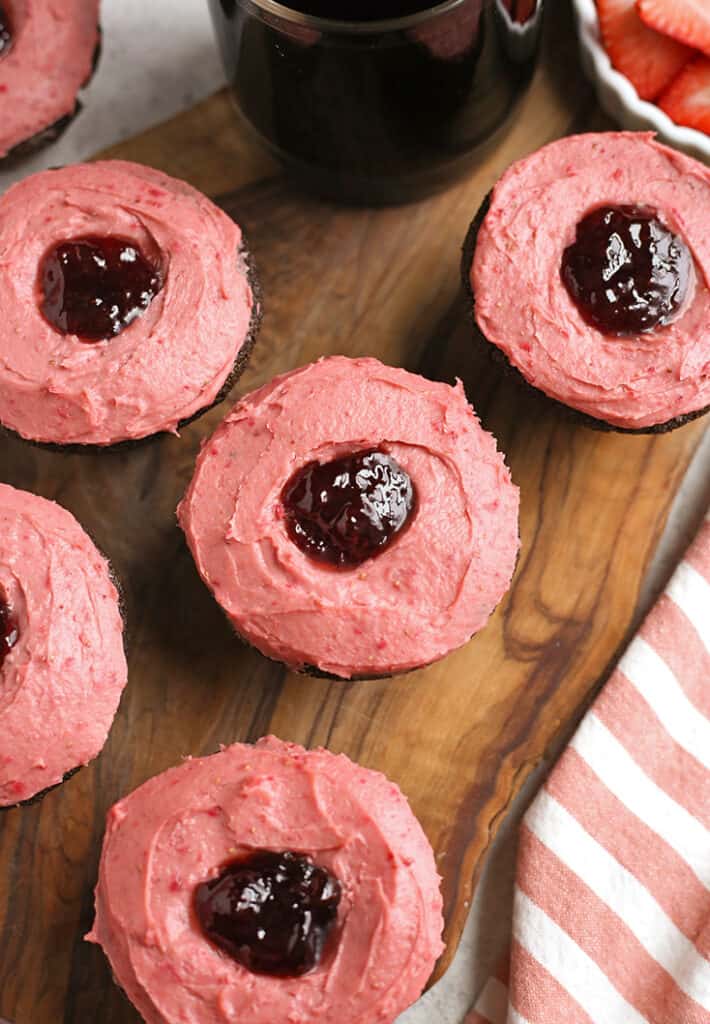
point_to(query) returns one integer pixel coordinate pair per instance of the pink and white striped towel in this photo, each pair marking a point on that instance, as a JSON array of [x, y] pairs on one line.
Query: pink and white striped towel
[[611, 922]]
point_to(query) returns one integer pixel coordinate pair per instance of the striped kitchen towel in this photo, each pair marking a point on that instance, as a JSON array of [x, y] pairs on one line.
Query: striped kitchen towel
[[611, 921]]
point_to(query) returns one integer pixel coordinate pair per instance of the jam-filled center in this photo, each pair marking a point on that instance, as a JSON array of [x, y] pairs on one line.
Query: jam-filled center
[[9, 632], [626, 271], [96, 286], [5, 31], [271, 912], [345, 511]]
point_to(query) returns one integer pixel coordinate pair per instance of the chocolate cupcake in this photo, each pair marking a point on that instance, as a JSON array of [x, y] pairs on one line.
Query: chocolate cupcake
[[62, 664], [353, 519], [128, 304], [48, 52], [589, 266], [268, 883]]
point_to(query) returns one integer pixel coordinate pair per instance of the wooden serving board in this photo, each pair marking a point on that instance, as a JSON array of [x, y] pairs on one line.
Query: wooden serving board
[[459, 737]]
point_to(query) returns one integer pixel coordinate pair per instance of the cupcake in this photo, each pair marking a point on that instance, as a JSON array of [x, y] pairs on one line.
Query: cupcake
[[48, 52], [353, 519], [589, 267], [128, 306], [268, 883], [62, 664]]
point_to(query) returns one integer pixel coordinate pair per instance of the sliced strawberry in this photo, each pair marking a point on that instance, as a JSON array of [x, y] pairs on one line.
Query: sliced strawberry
[[688, 21], [687, 100], [648, 59]]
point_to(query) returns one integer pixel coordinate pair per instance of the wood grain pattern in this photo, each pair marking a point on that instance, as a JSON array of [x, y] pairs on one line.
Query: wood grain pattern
[[459, 737]]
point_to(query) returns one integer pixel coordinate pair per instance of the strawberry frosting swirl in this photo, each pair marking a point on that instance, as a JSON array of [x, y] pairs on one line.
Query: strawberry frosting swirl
[[428, 593], [50, 58], [523, 307], [61, 683], [180, 828], [168, 364]]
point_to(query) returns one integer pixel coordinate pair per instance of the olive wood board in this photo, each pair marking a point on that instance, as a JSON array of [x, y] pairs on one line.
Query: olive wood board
[[459, 737]]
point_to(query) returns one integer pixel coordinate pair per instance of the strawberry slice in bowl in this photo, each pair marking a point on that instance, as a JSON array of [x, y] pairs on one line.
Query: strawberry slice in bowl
[[649, 59], [653, 67], [687, 21], [687, 99]]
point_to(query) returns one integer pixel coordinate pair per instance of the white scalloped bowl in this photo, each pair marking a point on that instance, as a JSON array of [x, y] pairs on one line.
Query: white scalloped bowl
[[619, 99]]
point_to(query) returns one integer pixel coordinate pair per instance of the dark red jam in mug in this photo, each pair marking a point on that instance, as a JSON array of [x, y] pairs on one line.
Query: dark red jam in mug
[[386, 111]]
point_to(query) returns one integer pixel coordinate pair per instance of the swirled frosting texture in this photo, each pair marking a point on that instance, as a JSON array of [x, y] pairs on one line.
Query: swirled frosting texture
[[60, 685], [50, 59], [181, 827], [169, 363], [523, 307], [426, 594]]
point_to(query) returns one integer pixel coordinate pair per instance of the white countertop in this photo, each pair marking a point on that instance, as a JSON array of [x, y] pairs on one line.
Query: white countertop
[[159, 57]]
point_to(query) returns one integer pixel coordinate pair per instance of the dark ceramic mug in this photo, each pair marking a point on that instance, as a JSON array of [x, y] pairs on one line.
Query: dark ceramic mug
[[377, 110]]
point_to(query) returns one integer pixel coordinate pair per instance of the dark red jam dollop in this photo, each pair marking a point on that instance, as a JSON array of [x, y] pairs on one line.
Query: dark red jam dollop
[[94, 287], [626, 271], [9, 633], [345, 511], [271, 912], [5, 31]]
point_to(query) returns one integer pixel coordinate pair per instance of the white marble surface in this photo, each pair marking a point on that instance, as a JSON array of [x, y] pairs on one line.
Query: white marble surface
[[158, 58]]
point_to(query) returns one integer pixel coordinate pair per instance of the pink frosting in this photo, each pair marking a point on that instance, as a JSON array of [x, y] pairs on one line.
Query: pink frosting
[[169, 363], [180, 828], [426, 594], [50, 58], [61, 683], [523, 307]]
